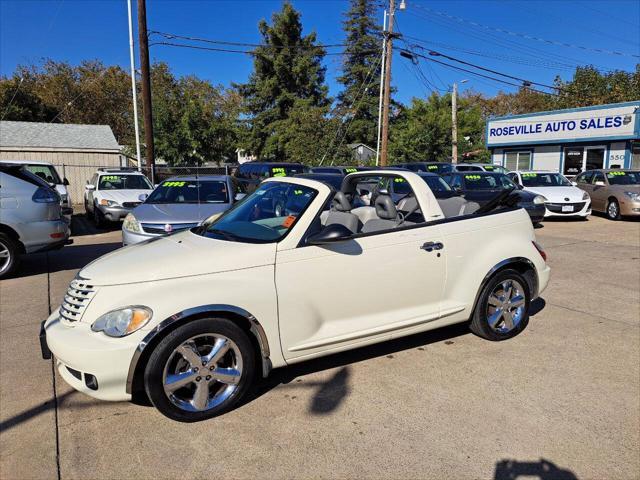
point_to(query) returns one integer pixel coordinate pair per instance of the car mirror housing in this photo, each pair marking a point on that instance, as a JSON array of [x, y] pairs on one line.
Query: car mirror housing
[[239, 196], [90, 187], [143, 196], [575, 184], [65, 181], [330, 234], [599, 183]]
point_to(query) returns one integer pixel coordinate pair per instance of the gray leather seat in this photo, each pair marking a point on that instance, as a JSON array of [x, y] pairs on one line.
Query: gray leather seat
[[340, 213], [456, 206], [387, 215]]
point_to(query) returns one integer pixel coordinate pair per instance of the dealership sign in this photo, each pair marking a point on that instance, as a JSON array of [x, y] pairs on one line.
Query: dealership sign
[[615, 122]]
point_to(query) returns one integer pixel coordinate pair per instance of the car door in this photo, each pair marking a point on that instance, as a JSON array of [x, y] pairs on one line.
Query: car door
[[598, 192], [333, 297]]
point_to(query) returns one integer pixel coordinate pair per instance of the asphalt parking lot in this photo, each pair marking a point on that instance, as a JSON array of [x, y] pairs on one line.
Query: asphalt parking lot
[[562, 400]]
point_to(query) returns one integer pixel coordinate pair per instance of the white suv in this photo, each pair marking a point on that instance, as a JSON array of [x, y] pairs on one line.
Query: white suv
[[112, 193]]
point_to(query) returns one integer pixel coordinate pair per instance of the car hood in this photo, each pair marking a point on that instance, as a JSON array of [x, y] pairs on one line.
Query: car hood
[[177, 213], [558, 194], [122, 196], [183, 254]]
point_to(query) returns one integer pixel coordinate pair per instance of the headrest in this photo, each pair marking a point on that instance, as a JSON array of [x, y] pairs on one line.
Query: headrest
[[340, 202], [385, 208]]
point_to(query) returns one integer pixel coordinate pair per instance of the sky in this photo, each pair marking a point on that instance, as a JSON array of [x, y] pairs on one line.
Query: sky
[[531, 40]]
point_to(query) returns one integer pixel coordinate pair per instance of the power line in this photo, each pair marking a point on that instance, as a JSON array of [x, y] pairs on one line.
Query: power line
[[448, 57], [524, 35]]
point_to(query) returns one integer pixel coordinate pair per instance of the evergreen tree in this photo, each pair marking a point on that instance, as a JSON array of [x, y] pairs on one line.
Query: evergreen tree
[[287, 72], [361, 72]]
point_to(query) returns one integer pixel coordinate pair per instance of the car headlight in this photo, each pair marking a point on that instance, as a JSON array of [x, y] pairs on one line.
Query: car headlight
[[633, 196], [131, 223], [108, 203], [122, 322], [585, 196], [539, 200]]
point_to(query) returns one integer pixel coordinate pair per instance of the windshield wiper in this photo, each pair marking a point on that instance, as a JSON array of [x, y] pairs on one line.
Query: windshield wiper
[[224, 233]]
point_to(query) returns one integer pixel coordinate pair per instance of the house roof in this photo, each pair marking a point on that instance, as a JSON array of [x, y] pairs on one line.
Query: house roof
[[356, 145], [57, 135]]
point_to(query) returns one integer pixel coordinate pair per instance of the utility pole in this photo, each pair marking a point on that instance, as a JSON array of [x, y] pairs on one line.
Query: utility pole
[[382, 62], [454, 124], [146, 86], [133, 87], [387, 85]]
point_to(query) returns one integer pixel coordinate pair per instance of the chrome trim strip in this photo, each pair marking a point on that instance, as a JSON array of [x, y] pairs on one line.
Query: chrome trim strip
[[256, 330]]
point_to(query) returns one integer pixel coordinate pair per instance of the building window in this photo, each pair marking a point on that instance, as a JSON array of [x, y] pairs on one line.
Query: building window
[[518, 161]]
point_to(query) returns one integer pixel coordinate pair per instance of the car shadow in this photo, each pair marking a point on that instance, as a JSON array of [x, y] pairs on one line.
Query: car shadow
[[81, 226], [541, 470]]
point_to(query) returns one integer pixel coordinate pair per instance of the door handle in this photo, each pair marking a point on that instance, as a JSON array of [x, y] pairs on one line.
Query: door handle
[[430, 246]]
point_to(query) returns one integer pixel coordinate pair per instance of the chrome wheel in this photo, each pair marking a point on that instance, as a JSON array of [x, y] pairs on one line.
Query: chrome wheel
[[202, 372], [506, 306], [5, 257], [613, 210]]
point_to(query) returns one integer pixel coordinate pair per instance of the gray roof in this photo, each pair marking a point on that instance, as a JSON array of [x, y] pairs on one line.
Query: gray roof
[[356, 145], [57, 135]]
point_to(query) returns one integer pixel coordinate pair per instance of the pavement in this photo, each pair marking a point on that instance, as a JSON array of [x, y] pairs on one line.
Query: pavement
[[560, 401]]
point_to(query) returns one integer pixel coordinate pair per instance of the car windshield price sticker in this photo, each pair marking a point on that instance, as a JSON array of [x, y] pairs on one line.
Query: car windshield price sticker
[[432, 167], [174, 184], [278, 172], [350, 170], [473, 178], [488, 168], [615, 174], [110, 178], [398, 180], [289, 221], [527, 175]]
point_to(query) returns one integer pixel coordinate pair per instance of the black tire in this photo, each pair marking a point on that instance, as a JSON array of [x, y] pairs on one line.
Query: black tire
[[10, 255], [613, 209], [163, 352], [98, 217], [481, 316]]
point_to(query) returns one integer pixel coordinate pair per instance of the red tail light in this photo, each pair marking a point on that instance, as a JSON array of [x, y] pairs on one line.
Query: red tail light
[[541, 251]]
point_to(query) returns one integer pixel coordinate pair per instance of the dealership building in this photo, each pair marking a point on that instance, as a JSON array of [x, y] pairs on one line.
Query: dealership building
[[568, 141]]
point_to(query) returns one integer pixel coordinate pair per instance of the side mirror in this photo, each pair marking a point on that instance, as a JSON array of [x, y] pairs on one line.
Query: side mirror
[[575, 184], [90, 186], [599, 183], [239, 196], [143, 196], [330, 234], [65, 181]]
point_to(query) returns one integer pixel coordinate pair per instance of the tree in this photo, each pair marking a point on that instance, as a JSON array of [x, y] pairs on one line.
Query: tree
[[287, 69], [422, 131], [361, 72]]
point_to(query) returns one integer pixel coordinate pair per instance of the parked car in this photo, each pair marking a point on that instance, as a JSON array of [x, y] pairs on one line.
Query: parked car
[[47, 172], [112, 193], [482, 187], [433, 167], [190, 320], [31, 218], [180, 203], [561, 197], [341, 170], [614, 192], [332, 179], [252, 173], [480, 167]]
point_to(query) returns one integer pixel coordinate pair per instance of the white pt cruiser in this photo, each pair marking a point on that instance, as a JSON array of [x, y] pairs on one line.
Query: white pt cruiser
[[292, 272]]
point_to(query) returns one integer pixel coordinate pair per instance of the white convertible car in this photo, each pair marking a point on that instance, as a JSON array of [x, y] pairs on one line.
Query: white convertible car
[[192, 319]]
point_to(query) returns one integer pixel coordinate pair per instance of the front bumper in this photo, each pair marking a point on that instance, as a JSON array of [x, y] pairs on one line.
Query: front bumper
[[90, 362], [629, 208], [536, 212], [580, 209], [114, 214], [131, 238]]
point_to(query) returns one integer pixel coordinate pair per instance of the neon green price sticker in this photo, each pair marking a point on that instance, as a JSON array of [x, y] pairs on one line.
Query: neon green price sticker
[[432, 167], [398, 180], [488, 168], [350, 170], [615, 174], [529, 175], [473, 178], [297, 192], [278, 172], [174, 184], [110, 178]]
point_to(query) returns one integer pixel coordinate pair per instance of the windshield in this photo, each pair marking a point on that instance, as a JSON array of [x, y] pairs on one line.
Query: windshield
[[45, 172], [264, 216], [190, 191], [623, 178], [433, 168], [436, 184], [530, 179], [480, 181], [285, 170], [124, 182]]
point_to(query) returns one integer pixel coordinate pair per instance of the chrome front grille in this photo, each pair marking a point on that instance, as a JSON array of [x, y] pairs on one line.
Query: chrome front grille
[[159, 228], [76, 300]]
